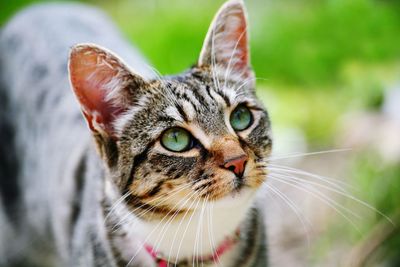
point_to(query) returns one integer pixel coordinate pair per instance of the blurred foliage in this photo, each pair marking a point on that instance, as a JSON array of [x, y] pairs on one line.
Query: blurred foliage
[[300, 49], [373, 176], [316, 61], [303, 43]]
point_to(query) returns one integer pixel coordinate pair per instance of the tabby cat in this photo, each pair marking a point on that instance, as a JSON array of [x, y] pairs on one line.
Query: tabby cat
[[175, 170]]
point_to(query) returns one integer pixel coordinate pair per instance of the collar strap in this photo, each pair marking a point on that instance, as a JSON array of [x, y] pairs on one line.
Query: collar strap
[[226, 245]]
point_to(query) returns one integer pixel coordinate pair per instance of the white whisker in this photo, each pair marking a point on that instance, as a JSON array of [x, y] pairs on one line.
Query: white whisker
[[116, 204], [177, 190], [228, 69], [154, 229], [187, 226], [321, 197], [295, 209], [179, 226], [339, 190], [321, 181], [331, 181], [212, 227], [295, 155], [165, 227]]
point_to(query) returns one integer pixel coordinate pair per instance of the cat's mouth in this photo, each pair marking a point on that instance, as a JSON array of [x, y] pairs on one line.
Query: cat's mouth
[[232, 187], [238, 184]]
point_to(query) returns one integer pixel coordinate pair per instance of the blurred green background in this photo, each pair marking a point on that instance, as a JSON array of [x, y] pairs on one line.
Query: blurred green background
[[326, 71]]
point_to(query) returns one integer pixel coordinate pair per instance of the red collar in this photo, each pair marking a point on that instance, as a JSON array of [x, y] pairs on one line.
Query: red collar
[[225, 246]]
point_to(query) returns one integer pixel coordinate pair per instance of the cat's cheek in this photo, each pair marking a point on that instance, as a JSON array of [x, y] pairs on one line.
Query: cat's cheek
[[222, 185], [252, 176], [165, 192], [256, 181]]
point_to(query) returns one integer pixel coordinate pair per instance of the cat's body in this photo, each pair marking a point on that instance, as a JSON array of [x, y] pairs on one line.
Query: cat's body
[[50, 136], [61, 202]]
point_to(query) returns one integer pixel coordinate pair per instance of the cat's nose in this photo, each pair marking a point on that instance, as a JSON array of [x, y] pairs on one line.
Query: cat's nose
[[236, 165]]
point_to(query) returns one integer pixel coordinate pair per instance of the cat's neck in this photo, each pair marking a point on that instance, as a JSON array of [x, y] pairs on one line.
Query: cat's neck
[[195, 234]]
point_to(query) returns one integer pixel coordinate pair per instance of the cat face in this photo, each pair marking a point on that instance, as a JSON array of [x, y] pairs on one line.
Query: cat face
[[190, 136], [202, 134]]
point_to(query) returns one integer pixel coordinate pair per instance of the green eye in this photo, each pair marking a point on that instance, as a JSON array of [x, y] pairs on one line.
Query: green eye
[[176, 139], [241, 118]]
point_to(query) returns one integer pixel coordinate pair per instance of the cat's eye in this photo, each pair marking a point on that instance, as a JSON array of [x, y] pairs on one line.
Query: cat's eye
[[241, 118], [176, 139]]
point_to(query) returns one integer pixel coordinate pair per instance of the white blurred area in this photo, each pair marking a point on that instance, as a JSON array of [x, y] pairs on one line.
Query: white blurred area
[[297, 218]]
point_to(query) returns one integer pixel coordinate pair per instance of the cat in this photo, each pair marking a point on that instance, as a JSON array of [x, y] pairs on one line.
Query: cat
[[159, 171]]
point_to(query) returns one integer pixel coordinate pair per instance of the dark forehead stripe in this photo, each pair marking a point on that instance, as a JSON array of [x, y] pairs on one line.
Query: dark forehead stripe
[[182, 112], [165, 118], [182, 94], [200, 93], [224, 97], [199, 85], [209, 93], [203, 91]]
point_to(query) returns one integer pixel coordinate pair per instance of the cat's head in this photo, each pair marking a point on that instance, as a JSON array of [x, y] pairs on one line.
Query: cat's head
[[201, 134]]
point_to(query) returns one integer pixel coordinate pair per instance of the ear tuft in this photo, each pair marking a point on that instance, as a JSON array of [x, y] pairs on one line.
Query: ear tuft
[[226, 43], [103, 85]]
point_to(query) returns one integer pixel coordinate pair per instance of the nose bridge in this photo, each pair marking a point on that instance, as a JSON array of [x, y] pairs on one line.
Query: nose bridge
[[227, 148], [230, 155]]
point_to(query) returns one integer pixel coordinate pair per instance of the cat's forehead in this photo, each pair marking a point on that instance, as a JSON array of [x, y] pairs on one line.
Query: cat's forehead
[[202, 101]]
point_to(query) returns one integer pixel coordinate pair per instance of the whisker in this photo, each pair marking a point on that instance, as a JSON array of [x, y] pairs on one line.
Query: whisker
[[202, 226], [186, 228], [213, 61], [228, 69], [187, 225], [245, 82], [195, 246], [164, 200], [212, 236], [285, 178], [142, 213], [168, 223], [208, 213], [319, 180], [294, 208], [177, 190], [295, 155], [116, 204], [156, 73], [339, 190], [179, 226], [328, 180], [149, 235], [321, 197]]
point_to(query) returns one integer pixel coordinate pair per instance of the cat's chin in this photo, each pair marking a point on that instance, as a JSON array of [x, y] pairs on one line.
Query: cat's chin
[[237, 191], [221, 218], [236, 198]]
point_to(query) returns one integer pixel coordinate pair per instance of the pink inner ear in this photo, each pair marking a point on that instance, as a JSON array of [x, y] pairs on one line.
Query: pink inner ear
[[226, 43], [90, 74], [242, 49]]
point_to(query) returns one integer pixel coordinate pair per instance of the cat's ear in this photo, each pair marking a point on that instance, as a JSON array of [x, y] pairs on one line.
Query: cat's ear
[[226, 43], [103, 85]]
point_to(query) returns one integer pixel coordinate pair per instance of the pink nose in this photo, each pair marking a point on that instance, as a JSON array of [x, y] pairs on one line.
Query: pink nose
[[236, 165]]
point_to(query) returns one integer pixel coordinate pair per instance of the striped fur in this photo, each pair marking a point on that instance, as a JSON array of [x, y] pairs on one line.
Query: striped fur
[[69, 201]]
